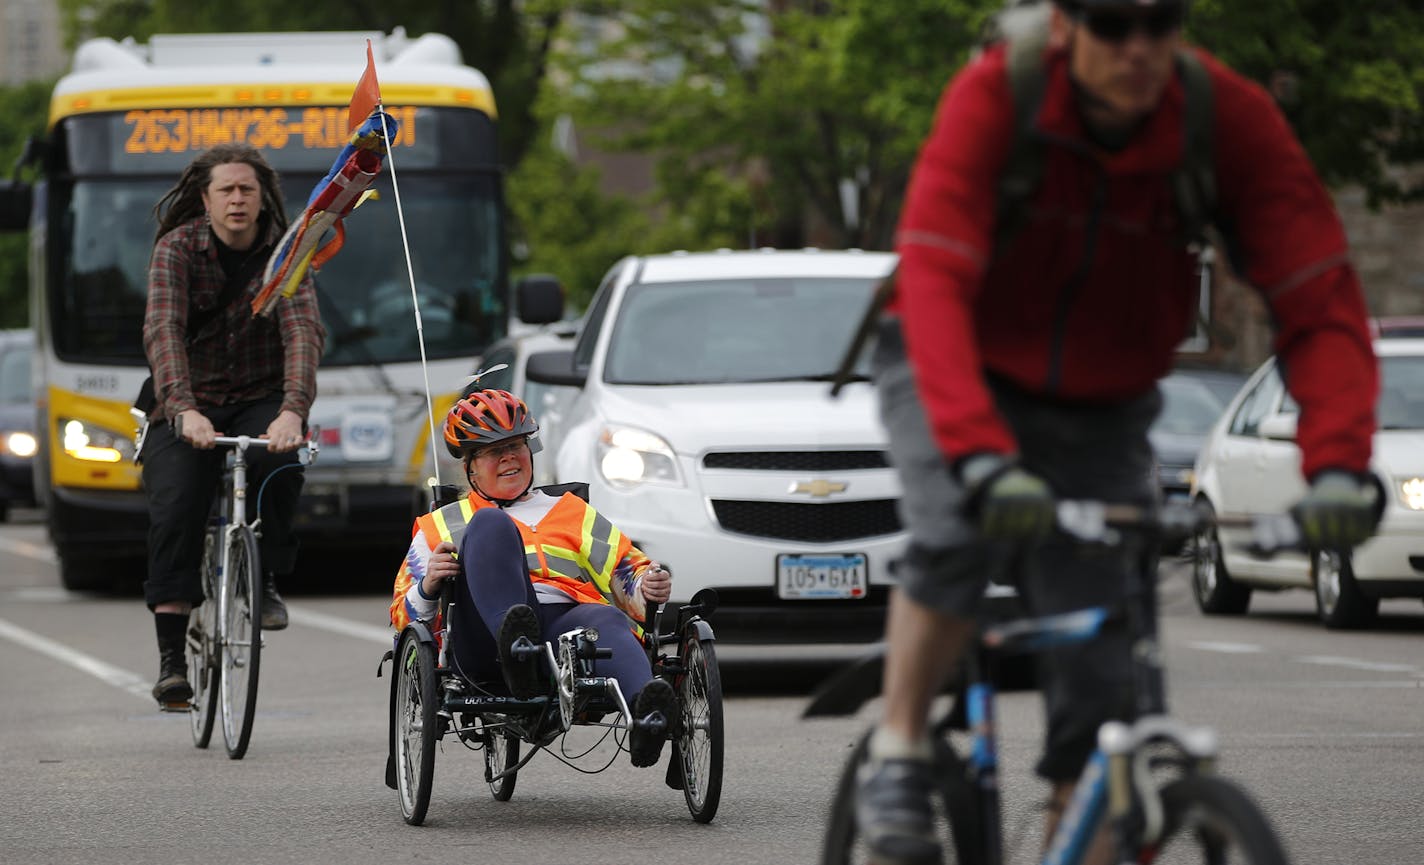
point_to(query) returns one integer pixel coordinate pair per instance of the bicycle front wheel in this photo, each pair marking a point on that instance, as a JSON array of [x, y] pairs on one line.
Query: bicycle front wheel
[[956, 815], [240, 646], [1211, 820]]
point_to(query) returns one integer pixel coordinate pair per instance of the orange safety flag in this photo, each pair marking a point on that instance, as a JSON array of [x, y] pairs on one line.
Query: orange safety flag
[[367, 95]]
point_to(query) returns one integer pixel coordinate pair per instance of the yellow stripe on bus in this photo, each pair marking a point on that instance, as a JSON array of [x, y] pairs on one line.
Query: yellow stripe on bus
[[252, 95]]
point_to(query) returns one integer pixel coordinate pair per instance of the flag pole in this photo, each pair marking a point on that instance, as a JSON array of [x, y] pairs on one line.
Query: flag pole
[[414, 296]]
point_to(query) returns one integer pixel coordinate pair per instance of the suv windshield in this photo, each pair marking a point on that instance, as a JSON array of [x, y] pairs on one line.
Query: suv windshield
[[736, 330]]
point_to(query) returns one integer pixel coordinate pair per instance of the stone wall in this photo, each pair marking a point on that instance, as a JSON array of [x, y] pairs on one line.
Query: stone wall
[[1387, 247]]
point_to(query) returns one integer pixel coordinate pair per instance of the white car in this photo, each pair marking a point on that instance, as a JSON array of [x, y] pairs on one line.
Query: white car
[[707, 434], [1250, 464]]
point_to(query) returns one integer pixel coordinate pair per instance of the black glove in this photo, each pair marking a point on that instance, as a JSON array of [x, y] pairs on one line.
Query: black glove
[[1340, 511], [1010, 502]]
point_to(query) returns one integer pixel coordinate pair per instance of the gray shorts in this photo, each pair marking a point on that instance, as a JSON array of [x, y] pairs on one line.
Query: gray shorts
[[1086, 451]]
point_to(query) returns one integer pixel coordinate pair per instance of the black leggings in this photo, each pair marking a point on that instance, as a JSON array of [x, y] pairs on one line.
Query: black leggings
[[495, 577]]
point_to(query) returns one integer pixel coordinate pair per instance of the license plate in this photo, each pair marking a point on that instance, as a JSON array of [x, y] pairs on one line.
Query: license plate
[[821, 577]]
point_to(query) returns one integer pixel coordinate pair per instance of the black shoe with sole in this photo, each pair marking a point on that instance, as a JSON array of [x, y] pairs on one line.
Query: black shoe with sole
[[172, 690], [522, 675], [274, 609], [655, 704]]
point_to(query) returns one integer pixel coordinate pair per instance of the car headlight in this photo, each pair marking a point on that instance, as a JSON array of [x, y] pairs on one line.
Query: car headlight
[[628, 456], [21, 444], [1411, 492], [85, 441]]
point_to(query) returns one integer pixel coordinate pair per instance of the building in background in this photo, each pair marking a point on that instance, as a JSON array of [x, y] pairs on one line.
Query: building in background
[[30, 42]]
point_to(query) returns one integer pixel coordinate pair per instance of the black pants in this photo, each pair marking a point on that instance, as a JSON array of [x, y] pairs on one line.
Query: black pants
[[180, 482]]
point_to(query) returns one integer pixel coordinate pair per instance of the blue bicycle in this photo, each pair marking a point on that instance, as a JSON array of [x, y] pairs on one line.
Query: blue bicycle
[[1153, 780]]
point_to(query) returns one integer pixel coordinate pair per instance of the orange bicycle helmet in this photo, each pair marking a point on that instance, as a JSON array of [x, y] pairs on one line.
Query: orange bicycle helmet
[[487, 417]]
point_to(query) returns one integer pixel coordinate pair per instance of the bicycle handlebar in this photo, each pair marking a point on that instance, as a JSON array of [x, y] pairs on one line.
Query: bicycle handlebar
[[307, 450], [1099, 522]]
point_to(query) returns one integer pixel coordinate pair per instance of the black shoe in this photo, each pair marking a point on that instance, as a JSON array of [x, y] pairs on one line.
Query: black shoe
[[893, 812], [521, 675], [172, 689], [274, 609], [656, 704]]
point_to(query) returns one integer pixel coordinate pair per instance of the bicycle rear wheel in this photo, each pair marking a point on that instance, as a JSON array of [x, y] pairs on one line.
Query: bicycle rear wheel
[[501, 755], [240, 647], [203, 669], [956, 816], [1211, 820]]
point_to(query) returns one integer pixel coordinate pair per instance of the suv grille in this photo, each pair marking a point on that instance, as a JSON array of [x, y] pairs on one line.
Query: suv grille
[[796, 461], [793, 521]]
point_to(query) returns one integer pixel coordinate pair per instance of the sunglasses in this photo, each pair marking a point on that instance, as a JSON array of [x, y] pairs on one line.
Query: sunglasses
[[511, 448], [1116, 26]]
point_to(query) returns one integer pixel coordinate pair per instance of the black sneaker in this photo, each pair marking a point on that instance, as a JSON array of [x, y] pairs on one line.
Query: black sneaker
[[646, 746], [274, 609], [893, 812], [522, 676]]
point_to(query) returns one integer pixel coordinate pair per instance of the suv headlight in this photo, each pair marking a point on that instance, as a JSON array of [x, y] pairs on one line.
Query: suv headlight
[[629, 456], [1411, 492], [85, 441]]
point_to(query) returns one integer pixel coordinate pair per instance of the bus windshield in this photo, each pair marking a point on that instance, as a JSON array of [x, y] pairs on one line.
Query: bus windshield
[[105, 237]]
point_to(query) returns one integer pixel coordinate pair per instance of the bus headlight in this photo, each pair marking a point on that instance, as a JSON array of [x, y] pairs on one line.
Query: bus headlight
[[629, 456], [21, 444], [85, 441]]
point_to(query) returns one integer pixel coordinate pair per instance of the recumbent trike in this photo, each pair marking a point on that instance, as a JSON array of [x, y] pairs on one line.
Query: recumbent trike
[[431, 702]]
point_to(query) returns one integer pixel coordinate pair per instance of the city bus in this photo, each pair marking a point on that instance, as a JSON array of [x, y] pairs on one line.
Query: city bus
[[123, 124]]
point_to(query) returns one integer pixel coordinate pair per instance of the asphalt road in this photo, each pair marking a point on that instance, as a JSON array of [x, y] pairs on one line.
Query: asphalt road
[[1326, 729]]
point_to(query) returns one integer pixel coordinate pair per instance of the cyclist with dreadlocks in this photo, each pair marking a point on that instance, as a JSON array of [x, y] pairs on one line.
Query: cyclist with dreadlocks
[[220, 370], [530, 563]]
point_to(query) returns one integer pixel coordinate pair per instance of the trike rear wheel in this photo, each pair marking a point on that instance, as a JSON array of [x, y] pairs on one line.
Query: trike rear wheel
[[501, 755]]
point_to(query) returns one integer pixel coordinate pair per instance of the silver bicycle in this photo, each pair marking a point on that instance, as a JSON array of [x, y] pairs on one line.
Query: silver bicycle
[[225, 635]]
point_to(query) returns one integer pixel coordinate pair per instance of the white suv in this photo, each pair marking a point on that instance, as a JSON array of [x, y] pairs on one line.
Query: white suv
[[707, 434]]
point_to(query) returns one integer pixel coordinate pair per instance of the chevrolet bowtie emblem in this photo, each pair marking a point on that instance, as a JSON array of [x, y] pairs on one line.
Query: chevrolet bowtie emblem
[[818, 488]]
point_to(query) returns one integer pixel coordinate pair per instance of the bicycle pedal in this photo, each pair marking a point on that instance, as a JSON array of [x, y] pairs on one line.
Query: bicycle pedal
[[184, 707]]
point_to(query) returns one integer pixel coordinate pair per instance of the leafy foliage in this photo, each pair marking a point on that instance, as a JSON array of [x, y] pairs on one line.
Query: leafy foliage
[[1348, 75], [26, 107]]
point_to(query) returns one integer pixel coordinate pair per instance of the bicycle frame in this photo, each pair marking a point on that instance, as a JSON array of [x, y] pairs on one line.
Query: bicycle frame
[[1116, 780]]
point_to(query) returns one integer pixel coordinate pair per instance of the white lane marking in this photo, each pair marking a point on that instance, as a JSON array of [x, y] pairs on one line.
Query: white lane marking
[[39, 552], [1226, 648], [339, 625], [1356, 664], [105, 672], [42, 595]]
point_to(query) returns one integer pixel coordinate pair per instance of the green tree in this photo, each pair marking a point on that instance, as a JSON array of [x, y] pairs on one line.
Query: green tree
[[26, 108], [1349, 77], [812, 106]]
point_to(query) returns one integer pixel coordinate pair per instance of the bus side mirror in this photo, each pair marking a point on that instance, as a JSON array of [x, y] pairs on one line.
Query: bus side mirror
[[554, 367], [539, 299], [15, 201]]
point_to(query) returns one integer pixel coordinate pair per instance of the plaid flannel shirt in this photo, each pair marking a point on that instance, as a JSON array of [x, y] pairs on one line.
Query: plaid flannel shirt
[[238, 357]]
